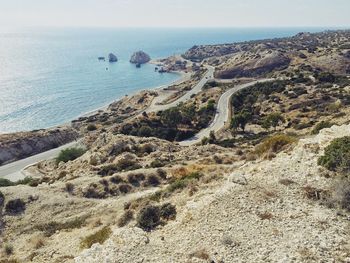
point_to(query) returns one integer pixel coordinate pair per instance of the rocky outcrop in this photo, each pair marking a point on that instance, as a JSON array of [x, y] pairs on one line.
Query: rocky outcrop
[[254, 66], [199, 53], [112, 58], [18, 146], [140, 57]]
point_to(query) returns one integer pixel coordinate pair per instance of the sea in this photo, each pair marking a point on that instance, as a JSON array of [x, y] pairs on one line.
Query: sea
[[50, 76]]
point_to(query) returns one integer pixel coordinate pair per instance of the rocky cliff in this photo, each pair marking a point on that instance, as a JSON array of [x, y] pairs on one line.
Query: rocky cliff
[[17, 146], [254, 66]]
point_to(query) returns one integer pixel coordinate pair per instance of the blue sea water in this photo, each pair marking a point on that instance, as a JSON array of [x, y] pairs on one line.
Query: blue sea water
[[51, 76]]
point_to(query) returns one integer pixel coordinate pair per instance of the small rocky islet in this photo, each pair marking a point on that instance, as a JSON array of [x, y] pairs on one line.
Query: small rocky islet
[[139, 58], [112, 58]]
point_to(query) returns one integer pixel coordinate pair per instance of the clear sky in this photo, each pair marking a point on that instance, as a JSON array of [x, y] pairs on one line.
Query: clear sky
[[175, 13]]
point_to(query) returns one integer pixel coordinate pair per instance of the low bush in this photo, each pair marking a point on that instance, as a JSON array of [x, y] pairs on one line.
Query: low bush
[[96, 191], [8, 248], [124, 188], [162, 173], [314, 193], [157, 163], [116, 179], [147, 148], [183, 182], [152, 180], [135, 179], [50, 228], [5, 182], [69, 188], [337, 155], [148, 217], [274, 144], [98, 237], [26, 181], [70, 154], [15, 206], [340, 194], [127, 164], [320, 126], [124, 164], [168, 211], [91, 127], [2, 200], [125, 218]]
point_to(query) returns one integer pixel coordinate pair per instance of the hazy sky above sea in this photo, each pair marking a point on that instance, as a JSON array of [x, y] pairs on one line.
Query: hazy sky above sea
[[175, 13]]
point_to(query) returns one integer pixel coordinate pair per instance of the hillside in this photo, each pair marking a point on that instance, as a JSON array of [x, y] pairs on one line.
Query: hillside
[[270, 185]]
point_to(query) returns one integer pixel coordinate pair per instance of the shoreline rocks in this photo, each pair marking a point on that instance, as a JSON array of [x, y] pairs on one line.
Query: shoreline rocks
[[140, 57]]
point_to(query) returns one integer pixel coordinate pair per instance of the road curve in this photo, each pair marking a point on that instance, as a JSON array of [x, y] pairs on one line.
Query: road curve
[[13, 171], [195, 90], [222, 114]]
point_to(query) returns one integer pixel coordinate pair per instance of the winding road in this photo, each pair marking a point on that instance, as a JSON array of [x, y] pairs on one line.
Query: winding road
[[222, 113], [15, 171], [155, 107]]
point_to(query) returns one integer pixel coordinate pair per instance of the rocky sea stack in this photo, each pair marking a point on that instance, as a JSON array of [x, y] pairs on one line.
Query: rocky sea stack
[[112, 58], [140, 57]]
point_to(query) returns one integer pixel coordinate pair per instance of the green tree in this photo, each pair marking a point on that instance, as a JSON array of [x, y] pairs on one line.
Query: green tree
[[188, 112], [240, 120], [272, 120], [171, 117]]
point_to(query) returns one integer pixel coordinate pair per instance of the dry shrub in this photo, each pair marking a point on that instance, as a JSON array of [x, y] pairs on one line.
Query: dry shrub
[[69, 188], [313, 193], [201, 254], [162, 173], [51, 227], [148, 217], [269, 194], [286, 182], [265, 216], [192, 188], [98, 237], [274, 144], [179, 172], [217, 159], [8, 248], [125, 218], [168, 211], [39, 243], [340, 194], [250, 157], [125, 188], [116, 179], [135, 179], [152, 180]]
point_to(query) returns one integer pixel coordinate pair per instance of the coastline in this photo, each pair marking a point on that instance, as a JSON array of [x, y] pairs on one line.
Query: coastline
[[182, 77], [23, 135]]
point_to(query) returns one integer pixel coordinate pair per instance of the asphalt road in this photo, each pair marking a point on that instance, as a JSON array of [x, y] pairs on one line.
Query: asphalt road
[[222, 114], [14, 171], [195, 90]]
